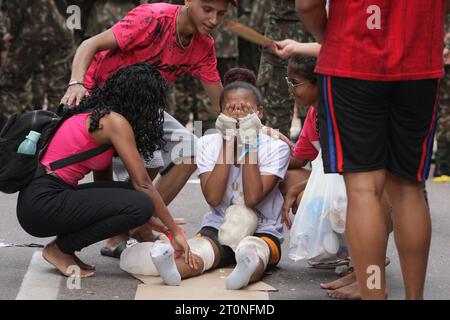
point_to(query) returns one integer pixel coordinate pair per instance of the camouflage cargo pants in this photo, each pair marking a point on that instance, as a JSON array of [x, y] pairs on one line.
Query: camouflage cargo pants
[[443, 131], [46, 60], [188, 96], [278, 108]]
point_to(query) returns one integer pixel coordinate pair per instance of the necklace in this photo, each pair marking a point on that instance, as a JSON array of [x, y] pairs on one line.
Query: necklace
[[180, 41], [237, 196]]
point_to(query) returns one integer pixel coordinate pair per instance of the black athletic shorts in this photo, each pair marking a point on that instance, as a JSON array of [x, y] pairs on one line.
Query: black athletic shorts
[[371, 125]]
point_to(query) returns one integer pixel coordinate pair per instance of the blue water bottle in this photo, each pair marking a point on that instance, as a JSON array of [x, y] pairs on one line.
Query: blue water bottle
[[29, 145]]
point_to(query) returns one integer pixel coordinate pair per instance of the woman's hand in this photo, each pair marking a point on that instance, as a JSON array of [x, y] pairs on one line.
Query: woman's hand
[[285, 48], [287, 204], [180, 244], [74, 94], [278, 135], [231, 110], [226, 122], [288, 48], [292, 200], [446, 55], [157, 225], [245, 109]]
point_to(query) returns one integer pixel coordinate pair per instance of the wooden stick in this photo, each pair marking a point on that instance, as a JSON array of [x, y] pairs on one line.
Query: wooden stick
[[249, 34]]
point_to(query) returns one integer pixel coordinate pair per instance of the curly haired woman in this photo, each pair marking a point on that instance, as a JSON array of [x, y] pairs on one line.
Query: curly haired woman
[[127, 113]]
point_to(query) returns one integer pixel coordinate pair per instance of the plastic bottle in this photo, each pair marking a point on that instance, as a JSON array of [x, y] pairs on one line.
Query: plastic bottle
[[29, 145]]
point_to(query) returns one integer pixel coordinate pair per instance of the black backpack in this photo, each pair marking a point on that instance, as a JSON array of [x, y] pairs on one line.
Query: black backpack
[[18, 170]]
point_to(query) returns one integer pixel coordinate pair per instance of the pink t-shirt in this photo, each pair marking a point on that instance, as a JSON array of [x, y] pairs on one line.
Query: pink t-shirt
[[148, 34], [308, 145], [72, 138]]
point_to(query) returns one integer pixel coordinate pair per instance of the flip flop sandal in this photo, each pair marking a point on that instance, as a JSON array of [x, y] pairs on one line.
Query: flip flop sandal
[[329, 265], [347, 269], [114, 253]]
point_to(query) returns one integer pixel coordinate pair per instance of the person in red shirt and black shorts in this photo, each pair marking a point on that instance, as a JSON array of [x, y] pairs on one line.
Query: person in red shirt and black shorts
[[379, 67]]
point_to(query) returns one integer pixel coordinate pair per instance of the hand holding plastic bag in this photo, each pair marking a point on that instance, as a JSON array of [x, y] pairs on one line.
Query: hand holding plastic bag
[[319, 225]]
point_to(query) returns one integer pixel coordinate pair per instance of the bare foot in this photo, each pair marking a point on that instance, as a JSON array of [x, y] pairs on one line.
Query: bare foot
[[350, 292], [83, 265], [53, 255], [339, 283]]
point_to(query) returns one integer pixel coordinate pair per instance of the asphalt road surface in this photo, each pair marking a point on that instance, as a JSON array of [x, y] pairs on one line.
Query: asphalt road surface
[[24, 275]]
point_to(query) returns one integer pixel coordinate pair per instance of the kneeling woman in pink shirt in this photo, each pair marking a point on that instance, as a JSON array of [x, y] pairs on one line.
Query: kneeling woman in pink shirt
[[127, 113]]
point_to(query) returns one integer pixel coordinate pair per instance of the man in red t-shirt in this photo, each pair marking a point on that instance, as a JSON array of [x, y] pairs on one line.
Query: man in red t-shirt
[[379, 67], [175, 39]]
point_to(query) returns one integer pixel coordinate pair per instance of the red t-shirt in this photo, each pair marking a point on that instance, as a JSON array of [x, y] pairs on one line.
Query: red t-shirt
[[148, 34], [408, 45], [308, 145]]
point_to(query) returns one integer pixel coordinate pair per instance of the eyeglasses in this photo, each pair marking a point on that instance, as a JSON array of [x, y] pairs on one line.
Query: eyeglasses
[[292, 85]]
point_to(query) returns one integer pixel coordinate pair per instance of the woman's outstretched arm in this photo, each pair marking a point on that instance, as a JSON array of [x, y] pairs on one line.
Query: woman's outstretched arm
[[116, 130]]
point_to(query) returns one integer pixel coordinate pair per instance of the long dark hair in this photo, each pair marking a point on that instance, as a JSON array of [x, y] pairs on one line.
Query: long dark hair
[[304, 66], [139, 93]]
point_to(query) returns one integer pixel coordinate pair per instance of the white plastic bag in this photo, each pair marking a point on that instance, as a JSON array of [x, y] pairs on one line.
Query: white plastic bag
[[318, 230]]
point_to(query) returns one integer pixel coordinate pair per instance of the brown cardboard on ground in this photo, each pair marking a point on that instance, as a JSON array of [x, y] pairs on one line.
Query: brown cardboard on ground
[[208, 286], [161, 292]]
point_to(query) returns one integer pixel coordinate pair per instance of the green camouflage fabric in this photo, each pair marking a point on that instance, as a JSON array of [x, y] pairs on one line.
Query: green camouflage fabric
[[4, 28], [188, 96], [226, 41], [284, 10], [41, 41], [34, 94], [100, 15], [38, 88], [85, 7], [36, 20], [103, 14], [252, 13], [443, 131], [283, 24], [227, 50]]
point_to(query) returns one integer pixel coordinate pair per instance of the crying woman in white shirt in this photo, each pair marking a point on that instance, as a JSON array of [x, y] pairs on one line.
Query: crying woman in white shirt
[[240, 169]]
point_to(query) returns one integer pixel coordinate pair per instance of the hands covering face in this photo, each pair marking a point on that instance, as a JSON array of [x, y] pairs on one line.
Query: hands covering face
[[239, 120], [239, 110]]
